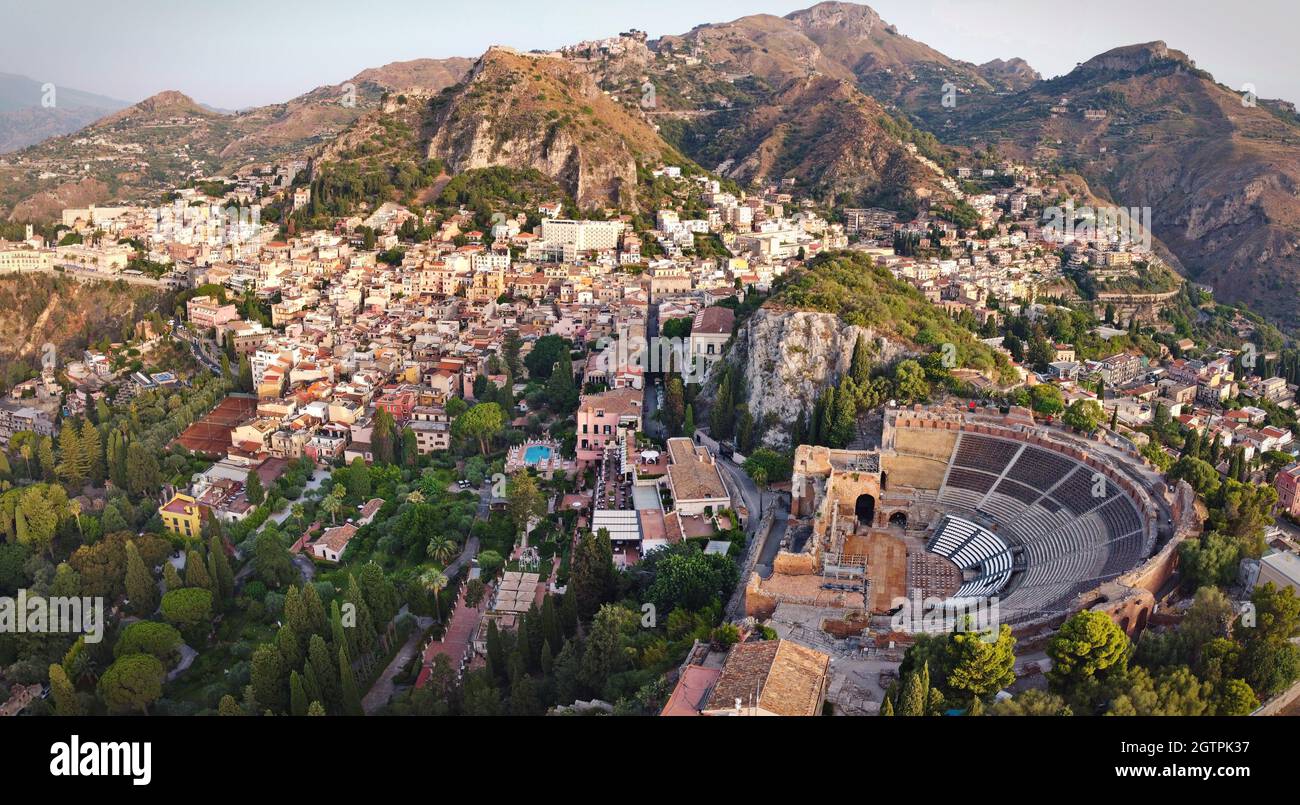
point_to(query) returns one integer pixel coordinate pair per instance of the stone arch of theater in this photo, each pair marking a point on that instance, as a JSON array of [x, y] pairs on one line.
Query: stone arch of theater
[[864, 508], [857, 493]]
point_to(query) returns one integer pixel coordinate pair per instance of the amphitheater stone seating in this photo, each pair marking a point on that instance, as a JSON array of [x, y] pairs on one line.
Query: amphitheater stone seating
[[984, 453], [970, 479], [1045, 509]]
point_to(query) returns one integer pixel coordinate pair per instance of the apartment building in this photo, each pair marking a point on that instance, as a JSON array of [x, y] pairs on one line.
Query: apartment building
[[601, 419]]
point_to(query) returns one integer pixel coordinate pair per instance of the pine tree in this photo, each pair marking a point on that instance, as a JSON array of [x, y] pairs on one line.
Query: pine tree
[[229, 707], [71, 468], [140, 586], [92, 450]]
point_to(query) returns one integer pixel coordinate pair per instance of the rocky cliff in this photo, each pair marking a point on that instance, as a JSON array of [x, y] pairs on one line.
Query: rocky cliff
[[787, 357]]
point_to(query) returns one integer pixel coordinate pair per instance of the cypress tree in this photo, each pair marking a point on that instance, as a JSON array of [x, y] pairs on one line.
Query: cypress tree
[[219, 566], [551, 628], [351, 699], [860, 363], [64, 694], [196, 572], [325, 672], [912, 698], [140, 586], [171, 577], [297, 695], [496, 660], [290, 647], [317, 621]]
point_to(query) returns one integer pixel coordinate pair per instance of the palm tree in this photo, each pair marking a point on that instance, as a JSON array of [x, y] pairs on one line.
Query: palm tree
[[298, 511], [332, 504], [435, 581], [415, 496], [441, 549]]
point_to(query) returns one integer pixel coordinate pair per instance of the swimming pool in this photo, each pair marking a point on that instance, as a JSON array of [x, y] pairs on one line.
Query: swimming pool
[[536, 454]]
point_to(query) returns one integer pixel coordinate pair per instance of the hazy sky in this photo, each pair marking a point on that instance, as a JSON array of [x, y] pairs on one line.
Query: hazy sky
[[239, 53]]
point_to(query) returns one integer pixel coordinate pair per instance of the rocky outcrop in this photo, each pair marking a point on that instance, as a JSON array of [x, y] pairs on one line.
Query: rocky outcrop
[[545, 113], [1131, 58], [1011, 74], [827, 136], [787, 357]]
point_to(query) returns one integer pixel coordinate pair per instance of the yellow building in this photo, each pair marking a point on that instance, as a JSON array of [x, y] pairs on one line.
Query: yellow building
[[182, 516]]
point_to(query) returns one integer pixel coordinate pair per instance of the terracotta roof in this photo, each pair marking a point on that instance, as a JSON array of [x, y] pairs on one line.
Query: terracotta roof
[[336, 539], [714, 320], [787, 678], [692, 689]]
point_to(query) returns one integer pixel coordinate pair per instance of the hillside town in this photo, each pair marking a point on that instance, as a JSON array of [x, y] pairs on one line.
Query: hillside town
[[406, 335]]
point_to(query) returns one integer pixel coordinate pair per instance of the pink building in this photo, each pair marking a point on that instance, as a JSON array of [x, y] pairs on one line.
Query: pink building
[[206, 313], [399, 403], [1286, 484], [601, 417]]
